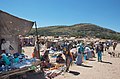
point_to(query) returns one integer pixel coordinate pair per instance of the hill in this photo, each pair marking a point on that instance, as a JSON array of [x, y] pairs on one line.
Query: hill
[[83, 30]]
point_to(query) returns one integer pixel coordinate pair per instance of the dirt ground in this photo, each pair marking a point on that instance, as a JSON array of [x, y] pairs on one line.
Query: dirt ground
[[108, 69]]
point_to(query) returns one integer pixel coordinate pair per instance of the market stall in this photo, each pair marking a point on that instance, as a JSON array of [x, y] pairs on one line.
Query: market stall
[[11, 27], [16, 65]]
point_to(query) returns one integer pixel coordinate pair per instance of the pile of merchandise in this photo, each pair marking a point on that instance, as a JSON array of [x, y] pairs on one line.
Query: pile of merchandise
[[10, 62], [54, 71]]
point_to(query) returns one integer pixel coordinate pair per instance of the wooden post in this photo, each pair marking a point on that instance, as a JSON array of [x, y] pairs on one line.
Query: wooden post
[[38, 45], [37, 39]]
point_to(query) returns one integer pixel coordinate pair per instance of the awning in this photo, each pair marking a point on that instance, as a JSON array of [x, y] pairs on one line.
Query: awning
[[11, 27]]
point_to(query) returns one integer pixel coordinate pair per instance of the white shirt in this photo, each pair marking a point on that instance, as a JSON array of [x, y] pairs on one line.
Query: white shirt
[[5, 46]]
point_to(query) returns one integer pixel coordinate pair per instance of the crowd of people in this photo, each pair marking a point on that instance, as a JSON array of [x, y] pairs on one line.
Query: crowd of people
[[70, 52], [77, 52]]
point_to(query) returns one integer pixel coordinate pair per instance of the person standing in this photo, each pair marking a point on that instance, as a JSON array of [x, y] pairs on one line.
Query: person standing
[[69, 57], [114, 45], [105, 46], [99, 51], [37, 50], [88, 52], [79, 54]]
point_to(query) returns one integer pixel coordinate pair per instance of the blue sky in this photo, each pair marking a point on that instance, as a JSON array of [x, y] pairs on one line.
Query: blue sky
[[105, 13]]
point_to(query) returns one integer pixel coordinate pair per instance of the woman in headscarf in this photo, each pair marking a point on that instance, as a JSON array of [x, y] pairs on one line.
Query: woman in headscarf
[[88, 51], [80, 54]]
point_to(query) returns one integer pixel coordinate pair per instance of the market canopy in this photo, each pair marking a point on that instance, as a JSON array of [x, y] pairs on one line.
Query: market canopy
[[11, 27]]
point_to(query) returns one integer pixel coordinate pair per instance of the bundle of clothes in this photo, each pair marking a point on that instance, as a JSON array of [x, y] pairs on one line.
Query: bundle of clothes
[[14, 61]]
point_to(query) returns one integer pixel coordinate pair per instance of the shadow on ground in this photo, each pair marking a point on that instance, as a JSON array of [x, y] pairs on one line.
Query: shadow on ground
[[91, 60], [85, 66], [106, 62], [74, 73]]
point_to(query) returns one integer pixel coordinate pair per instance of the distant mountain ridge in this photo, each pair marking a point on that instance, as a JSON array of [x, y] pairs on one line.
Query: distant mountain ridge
[[82, 29]]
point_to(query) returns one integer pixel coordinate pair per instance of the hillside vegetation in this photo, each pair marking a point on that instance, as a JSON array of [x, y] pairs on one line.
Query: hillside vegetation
[[83, 30]]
